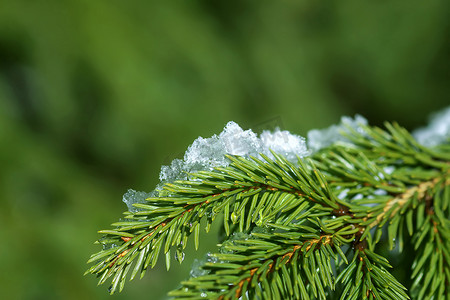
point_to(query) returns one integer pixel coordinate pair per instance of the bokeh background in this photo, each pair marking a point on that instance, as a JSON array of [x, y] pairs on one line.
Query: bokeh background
[[96, 95]]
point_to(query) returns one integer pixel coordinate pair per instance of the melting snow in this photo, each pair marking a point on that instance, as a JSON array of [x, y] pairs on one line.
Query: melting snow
[[322, 138], [285, 143], [131, 197], [208, 153], [438, 130]]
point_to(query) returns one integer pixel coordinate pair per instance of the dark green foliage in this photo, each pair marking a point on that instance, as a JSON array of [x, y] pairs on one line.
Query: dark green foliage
[[309, 230]]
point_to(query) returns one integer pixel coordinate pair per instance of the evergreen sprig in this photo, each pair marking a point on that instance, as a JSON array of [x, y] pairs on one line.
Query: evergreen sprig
[[306, 230]]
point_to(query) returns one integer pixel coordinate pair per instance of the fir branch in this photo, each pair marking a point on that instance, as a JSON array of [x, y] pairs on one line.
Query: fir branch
[[317, 215], [267, 268], [247, 192]]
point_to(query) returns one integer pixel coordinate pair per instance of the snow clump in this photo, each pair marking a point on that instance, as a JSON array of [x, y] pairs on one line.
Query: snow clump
[[208, 153]]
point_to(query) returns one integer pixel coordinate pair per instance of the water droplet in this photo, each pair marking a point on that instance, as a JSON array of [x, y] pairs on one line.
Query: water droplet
[[211, 258], [179, 256], [106, 243], [203, 295], [234, 218]]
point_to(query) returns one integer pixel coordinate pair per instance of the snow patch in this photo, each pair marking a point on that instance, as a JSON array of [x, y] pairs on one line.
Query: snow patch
[[131, 197], [438, 130], [322, 138]]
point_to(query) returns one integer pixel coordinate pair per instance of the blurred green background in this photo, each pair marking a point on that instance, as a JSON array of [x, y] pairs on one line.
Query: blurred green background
[[96, 95]]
